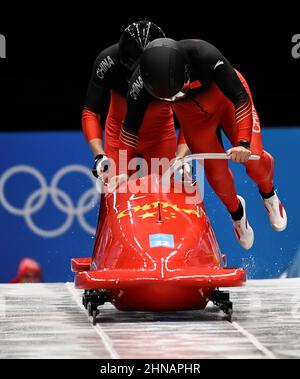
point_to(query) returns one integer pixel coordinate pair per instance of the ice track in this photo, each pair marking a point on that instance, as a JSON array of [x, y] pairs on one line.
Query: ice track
[[47, 321]]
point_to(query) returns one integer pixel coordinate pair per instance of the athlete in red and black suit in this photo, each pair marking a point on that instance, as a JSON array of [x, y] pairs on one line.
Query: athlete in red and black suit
[[206, 92], [107, 93]]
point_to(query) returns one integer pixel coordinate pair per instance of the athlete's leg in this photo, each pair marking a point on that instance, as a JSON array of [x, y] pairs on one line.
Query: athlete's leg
[[262, 171], [201, 136], [200, 132]]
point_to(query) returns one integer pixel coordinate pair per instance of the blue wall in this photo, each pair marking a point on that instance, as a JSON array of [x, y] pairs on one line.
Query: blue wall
[[73, 213]]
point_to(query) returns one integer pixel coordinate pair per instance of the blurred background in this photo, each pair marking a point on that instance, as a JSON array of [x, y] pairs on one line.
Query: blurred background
[[48, 208]]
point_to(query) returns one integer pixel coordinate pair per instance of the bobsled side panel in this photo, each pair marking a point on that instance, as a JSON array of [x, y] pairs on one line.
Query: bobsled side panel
[[133, 221], [202, 277], [80, 264]]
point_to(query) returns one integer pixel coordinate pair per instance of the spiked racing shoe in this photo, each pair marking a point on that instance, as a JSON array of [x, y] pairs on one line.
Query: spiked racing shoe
[[243, 231], [276, 212]]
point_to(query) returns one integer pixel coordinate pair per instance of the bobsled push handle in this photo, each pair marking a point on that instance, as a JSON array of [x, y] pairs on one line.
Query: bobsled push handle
[[188, 158], [191, 157]]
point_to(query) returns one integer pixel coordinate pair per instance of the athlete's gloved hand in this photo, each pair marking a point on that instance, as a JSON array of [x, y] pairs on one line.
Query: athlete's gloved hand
[[101, 166], [184, 169], [239, 154]]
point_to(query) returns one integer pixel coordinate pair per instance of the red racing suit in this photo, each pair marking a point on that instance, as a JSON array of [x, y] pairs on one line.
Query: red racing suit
[[218, 96], [106, 96]]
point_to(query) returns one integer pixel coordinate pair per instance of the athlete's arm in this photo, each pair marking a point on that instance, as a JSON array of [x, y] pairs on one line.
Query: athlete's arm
[[220, 70], [137, 103], [182, 150], [182, 147], [229, 83], [93, 131], [224, 75], [97, 99]]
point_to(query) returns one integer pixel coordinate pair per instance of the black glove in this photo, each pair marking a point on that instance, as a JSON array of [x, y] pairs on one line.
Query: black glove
[[101, 165]]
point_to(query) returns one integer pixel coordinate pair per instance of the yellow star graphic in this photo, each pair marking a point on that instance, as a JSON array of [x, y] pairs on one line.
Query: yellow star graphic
[[191, 212], [147, 215], [155, 205], [146, 207]]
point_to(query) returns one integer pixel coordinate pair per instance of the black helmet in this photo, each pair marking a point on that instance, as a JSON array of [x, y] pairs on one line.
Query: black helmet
[[134, 40], [164, 68]]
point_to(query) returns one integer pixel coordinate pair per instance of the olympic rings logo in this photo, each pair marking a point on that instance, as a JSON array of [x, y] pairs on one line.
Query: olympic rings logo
[[60, 199]]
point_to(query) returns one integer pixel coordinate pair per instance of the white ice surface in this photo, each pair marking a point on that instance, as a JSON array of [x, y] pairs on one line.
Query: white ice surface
[[47, 321]]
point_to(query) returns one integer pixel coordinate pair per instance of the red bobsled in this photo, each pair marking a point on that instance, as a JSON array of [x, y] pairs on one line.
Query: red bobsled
[[154, 252]]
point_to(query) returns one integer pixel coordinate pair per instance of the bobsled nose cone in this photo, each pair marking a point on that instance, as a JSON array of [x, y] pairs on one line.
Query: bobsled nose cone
[[243, 231]]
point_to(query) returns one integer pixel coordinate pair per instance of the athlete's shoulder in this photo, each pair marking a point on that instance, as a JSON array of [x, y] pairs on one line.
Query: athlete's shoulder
[[111, 51], [198, 45], [201, 54], [107, 61]]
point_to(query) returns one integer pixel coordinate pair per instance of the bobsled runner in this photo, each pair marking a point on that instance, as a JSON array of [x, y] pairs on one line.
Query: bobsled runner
[[155, 252]]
